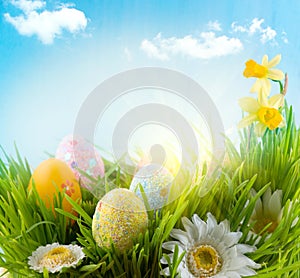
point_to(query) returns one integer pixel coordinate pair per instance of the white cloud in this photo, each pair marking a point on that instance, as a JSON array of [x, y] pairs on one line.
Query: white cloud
[[127, 54], [238, 28], [206, 46], [28, 6], [284, 37], [214, 26], [256, 26], [266, 34], [46, 25]]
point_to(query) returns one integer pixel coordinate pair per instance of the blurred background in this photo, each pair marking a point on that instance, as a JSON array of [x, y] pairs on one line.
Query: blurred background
[[54, 53]]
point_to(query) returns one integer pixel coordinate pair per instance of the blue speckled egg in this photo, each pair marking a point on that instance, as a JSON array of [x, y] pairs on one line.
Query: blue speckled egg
[[156, 183]]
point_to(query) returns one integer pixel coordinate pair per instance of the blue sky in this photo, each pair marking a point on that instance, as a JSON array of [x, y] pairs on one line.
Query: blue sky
[[54, 53]]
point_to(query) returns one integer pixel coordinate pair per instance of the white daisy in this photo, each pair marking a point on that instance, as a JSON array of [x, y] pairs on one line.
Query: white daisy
[[211, 250], [54, 257], [267, 211], [2, 271]]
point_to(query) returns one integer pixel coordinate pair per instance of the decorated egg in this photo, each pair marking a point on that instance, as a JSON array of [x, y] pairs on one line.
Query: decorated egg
[[120, 216], [81, 156], [156, 183], [52, 175]]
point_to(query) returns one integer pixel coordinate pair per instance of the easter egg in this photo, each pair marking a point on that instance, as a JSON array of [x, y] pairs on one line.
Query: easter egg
[[156, 183], [120, 216], [52, 175], [81, 155]]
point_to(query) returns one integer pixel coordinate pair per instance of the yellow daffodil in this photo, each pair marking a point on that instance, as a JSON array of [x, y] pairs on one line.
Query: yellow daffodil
[[263, 111], [263, 72]]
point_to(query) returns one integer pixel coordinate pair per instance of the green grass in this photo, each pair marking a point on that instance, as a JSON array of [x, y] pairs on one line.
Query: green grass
[[271, 161]]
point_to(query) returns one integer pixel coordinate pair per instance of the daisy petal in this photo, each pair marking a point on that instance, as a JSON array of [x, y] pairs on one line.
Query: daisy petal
[[54, 257], [244, 248], [201, 226], [190, 227], [226, 225], [228, 259], [249, 104], [184, 273], [232, 238], [241, 261], [266, 197], [180, 235], [211, 222], [170, 245], [275, 204], [165, 271], [246, 272], [220, 276], [233, 274], [218, 232], [163, 260], [258, 207]]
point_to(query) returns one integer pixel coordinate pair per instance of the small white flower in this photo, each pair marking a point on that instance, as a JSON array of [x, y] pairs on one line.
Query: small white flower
[[54, 257], [267, 211], [211, 250], [2, 271]]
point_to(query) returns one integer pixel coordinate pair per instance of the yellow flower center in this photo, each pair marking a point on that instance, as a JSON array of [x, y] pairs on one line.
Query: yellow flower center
[[204, 261], [255, 70], [262, 222], [269, 117], [57, 256]]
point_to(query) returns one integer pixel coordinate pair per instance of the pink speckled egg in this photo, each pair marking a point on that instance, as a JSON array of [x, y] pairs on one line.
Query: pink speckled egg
[[81, 156]]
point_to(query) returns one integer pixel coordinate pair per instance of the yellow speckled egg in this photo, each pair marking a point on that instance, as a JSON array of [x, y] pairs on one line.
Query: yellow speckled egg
[[120, 216], [53, 172]]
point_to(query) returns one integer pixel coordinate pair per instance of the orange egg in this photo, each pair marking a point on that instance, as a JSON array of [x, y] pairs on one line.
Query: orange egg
[[52, 174]]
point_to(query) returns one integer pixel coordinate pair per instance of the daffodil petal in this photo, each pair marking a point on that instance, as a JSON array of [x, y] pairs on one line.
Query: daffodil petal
[[275, 61], [260, 129], [249, 104], [275, 74], [282, 124], [264, 61], [248, 120], [263, 99], [276, 101], [266, 86], [256, 86]]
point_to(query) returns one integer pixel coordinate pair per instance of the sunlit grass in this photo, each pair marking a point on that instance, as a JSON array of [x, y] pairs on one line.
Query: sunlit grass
[[273, 160]]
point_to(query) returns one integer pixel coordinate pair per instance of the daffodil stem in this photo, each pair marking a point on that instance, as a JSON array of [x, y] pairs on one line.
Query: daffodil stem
[[280, 85], [249, 138]]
